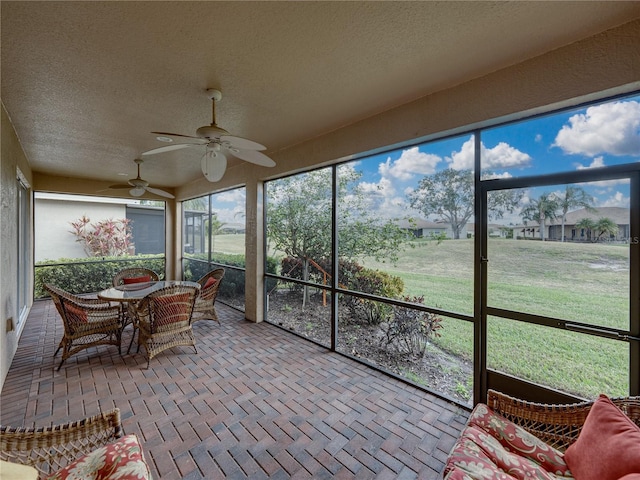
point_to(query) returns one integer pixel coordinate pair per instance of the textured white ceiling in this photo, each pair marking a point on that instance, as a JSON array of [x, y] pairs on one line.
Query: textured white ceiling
[[86, 82]]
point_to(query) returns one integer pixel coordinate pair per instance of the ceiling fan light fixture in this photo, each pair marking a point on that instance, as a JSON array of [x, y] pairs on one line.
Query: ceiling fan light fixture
[[137, 191], [217, 143], [213, 163]]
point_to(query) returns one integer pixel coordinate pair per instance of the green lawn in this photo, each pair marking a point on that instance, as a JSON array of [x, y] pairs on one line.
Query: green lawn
[[587, 283]]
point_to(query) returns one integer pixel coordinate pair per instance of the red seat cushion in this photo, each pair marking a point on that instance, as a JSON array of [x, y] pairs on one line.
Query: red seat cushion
[[608, 446], [141, 279]]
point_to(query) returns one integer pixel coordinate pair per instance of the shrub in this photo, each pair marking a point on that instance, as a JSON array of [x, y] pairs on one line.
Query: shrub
[[81, 276], [373, 282], [409, 329], [104, 238], [233, 284], [352, 276]]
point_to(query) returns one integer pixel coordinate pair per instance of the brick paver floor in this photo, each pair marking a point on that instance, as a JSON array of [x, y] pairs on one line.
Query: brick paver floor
[[254, 402]]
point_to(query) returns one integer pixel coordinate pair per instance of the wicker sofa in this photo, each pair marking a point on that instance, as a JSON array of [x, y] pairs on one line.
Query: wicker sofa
[[92, 448], [508, 438]]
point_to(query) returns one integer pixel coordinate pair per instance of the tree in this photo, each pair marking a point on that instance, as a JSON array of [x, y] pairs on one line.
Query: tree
[[588, 225], [200, 204], [574, 197], [450, 194], [540, 210], [299, 219], [605, 226]]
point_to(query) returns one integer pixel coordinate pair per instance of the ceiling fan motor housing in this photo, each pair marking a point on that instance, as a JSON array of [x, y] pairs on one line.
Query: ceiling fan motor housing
[[211, 131]]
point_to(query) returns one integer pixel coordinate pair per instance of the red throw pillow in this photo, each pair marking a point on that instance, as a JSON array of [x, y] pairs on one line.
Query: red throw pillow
[[210, 281], [608, 446], [142, 279]]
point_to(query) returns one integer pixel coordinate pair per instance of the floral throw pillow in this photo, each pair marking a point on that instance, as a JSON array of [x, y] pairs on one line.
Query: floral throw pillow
[[493, 448], [121, 460], [518, 441]]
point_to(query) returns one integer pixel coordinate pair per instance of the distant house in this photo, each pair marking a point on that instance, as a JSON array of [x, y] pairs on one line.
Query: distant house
[[553, 230], [424, 228], [495, 230]]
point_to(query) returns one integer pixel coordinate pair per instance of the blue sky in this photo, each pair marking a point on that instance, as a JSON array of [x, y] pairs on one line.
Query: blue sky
[[600, 135]]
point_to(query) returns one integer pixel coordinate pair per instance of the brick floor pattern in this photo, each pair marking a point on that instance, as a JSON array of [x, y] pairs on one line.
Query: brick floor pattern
[[255, 402]]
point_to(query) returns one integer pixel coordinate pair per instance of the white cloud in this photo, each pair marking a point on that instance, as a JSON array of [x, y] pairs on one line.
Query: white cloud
[[412, 161], [504, 155], [464, 159], [493, 175], [596, 163], [383, 198], [609, 183], [237, 195], [616, 200], [612, 128], [384, 188], [501, 156], [228, 215]]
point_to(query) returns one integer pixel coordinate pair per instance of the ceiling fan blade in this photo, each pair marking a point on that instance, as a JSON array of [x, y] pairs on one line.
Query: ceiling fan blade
[[167, 134], [159, 192], [121, 186], [136, 192], [168, 148], [242, 143], [253, 156]]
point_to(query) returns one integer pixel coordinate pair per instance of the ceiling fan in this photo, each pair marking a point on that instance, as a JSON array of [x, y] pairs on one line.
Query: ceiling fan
[[216, 143], [140, 186]]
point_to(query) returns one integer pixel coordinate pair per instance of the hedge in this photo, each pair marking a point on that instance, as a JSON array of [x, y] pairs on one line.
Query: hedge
[[195, 266], [81, 275]]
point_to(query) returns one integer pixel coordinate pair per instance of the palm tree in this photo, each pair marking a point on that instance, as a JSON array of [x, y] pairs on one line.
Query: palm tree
[[574, 197], [588, 225], [540, 210], [605, 226]]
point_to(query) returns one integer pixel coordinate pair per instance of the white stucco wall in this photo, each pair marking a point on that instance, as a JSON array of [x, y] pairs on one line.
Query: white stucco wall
[[52, 223], [13, 158]]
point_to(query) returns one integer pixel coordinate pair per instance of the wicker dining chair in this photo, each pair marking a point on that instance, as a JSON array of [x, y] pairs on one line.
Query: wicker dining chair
[[88, 322], [134, 274], [48, 449], [205, 301], [164, 319]]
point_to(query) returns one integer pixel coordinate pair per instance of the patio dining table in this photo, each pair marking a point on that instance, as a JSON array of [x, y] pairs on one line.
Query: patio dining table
[[134, 292]]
